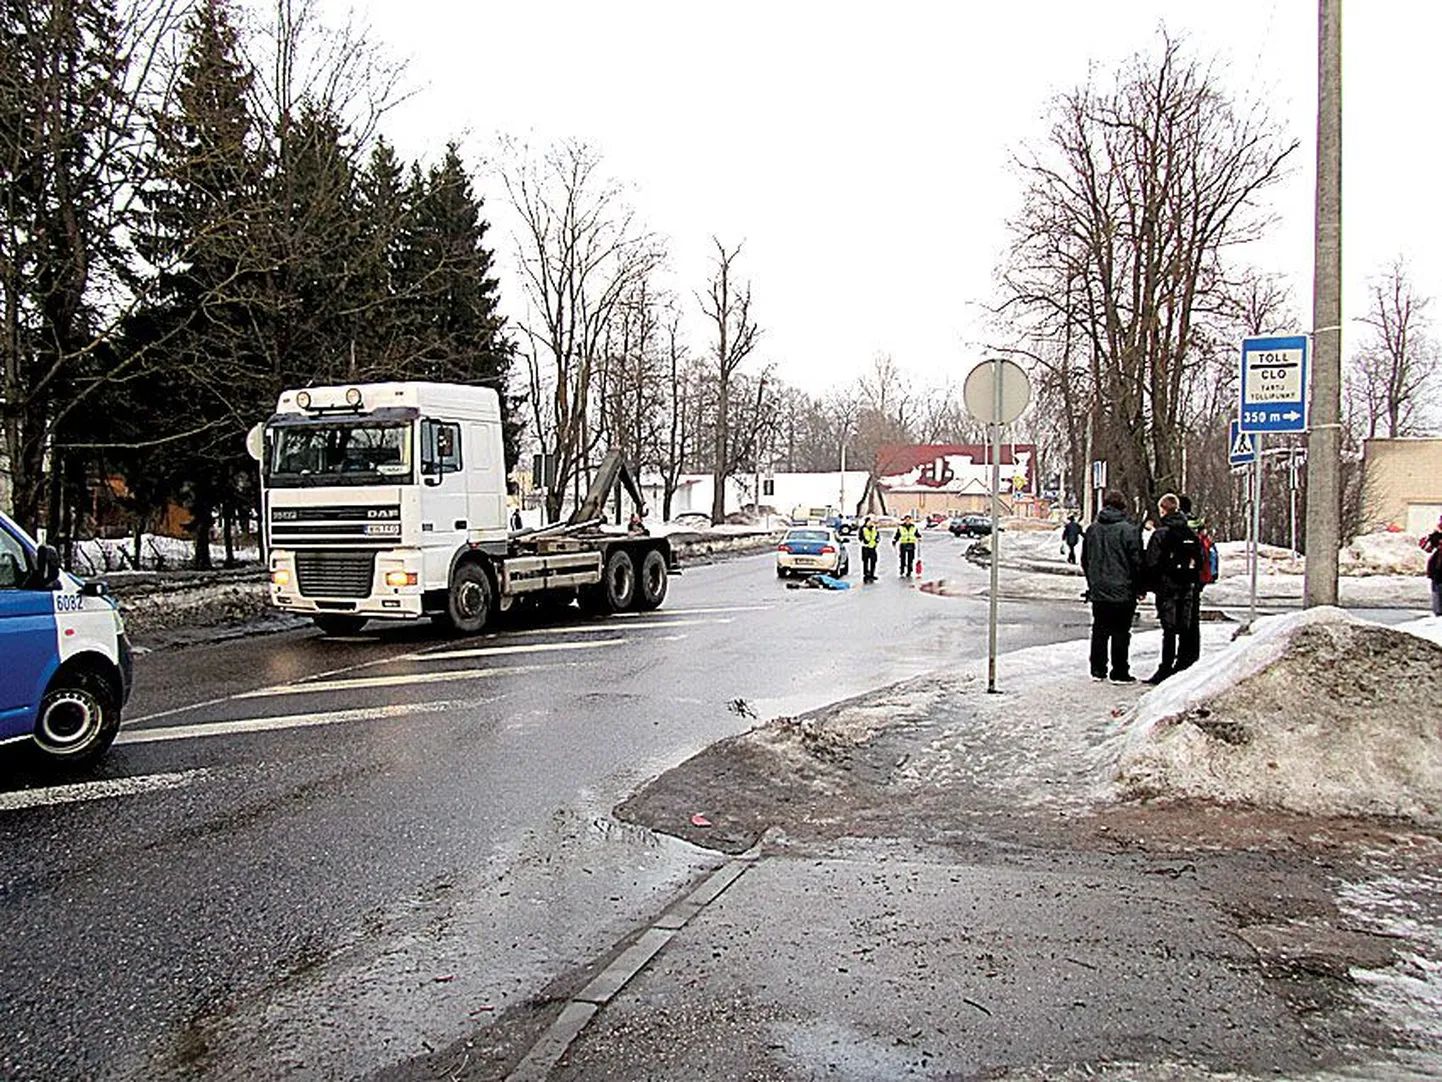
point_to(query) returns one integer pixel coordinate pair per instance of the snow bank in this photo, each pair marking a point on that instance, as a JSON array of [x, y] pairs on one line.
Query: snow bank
[[1383, 554], [1315, 712]]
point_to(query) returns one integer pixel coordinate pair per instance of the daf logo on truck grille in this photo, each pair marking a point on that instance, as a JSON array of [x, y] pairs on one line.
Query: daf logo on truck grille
[[383, 512]]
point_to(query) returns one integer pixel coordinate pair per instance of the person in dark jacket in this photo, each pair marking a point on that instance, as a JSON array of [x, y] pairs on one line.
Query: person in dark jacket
[[1433, 543], [1111, 559], [1173, 568], [1071, 533]]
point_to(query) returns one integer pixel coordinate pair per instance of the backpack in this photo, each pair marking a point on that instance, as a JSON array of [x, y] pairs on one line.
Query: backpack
[[1181, 556], [1211, 558]]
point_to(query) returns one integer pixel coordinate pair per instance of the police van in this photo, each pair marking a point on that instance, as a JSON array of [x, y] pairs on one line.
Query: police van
[[64, 660]]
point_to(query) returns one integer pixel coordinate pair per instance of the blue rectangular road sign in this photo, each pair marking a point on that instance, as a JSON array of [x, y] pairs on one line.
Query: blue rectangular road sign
[[1241, 446], [1275, 379]]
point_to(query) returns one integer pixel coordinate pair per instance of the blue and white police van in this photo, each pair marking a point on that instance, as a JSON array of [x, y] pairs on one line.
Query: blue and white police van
[[64, 659]]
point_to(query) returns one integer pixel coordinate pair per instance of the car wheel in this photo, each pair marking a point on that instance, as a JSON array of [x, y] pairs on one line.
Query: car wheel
[[468, 602], [331, 623], [781, 572], [618, 581], [78, 719], [651, 583]]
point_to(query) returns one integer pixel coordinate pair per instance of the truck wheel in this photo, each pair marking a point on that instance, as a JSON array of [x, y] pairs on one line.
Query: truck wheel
[[331, 623], [468, 604], [618, 581], [78, 719], [651, 583]]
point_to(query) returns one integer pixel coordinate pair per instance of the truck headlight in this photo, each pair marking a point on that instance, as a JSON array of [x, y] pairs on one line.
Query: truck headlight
[[280, 576], [401, 578]]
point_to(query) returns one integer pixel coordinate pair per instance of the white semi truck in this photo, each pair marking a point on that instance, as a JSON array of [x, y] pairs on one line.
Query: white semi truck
[[388, 501]]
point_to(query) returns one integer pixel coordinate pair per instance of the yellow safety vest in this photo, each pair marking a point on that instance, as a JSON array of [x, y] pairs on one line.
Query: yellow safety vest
[[870, 537], [907, 534]]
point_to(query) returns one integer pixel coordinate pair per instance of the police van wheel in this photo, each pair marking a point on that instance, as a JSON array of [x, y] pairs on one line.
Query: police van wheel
[[651, 581], [78, 720], [331, 623], [468, 604]]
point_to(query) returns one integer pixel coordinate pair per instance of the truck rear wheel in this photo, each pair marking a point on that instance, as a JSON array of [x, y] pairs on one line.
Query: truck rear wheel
[[618, 581], [651, 582], [468, 602]]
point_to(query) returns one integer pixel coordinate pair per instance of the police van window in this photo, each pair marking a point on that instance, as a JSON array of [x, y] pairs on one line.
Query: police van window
[[13, 563]]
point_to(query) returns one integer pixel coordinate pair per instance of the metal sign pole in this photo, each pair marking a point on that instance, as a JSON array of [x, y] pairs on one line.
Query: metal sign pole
[[1256, 524], [995, 527]]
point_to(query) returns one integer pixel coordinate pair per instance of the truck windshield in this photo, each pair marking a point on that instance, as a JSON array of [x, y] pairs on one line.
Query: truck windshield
[[340, 454]]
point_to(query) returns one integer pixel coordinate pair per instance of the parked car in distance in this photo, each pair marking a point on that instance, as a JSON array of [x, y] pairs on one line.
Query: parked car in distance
[[971, 526], [807, 550], [936, 518], [844, 525]]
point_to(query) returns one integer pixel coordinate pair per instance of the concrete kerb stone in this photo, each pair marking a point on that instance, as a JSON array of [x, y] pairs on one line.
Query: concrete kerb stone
[[544, 1054]]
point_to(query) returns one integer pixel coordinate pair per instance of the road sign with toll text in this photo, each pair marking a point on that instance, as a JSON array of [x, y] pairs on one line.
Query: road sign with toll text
[[1241, 446], [1275, 378]]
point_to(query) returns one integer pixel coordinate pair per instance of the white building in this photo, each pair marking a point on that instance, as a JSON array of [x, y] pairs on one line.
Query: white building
[[782, 492]]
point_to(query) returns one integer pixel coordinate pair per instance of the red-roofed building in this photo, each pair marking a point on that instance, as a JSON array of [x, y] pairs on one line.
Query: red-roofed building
[[953, 478]]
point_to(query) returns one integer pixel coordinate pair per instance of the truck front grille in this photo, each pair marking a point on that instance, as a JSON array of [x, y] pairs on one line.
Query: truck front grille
[[335, 574], [360, 524]]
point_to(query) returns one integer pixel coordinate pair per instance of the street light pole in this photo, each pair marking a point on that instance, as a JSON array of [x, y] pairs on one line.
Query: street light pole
[[1324, 442]]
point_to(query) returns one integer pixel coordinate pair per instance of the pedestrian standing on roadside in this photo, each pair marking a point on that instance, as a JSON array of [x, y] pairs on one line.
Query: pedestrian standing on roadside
[[906, 536], [1071, 533], [1189, 641], [1111, 559], [1173, 571], [1433, 543], [870, 537]]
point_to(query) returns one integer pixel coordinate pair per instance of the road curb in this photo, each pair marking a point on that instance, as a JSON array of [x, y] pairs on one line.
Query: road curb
[[587, 1003]]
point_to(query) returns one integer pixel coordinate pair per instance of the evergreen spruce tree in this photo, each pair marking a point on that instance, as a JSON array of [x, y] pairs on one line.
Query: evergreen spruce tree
[[457, 330]]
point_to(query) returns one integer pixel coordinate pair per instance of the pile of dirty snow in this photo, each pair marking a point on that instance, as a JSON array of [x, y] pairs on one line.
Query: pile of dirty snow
[[1382, 554], [1315, 712]]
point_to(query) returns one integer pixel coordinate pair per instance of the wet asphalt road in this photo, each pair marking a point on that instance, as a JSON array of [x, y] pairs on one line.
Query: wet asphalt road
[[319, 858]]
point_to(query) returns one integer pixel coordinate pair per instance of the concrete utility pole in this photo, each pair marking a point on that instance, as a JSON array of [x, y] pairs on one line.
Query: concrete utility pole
[[1324, 441]]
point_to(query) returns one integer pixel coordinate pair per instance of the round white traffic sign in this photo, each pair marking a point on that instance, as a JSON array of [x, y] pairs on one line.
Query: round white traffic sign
[[982, 399]]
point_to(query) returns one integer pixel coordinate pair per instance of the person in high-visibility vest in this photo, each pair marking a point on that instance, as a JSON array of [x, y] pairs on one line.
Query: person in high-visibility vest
[[907, 536], [870, 538]]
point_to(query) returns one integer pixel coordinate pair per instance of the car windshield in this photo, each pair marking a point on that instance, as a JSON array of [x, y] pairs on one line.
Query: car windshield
[[808, 535], [341, 454]]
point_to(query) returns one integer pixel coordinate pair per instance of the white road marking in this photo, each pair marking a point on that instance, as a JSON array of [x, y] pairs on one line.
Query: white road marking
[[692, 612], [587, 628], [394, 680], [283, 721], [98, 790], [501, 651]]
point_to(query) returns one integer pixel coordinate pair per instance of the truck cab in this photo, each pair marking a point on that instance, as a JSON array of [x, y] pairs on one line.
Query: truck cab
[[388, 501], [67, 664]]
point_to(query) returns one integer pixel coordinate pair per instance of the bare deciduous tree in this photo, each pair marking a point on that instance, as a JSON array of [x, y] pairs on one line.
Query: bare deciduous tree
[[581, 252], [1119, 246], [727, 304], [1392, 373]]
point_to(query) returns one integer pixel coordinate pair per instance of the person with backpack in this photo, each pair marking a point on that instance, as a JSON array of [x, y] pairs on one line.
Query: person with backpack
[[1433, 543], [1173, 564], [1111, 559], [1189, 645]]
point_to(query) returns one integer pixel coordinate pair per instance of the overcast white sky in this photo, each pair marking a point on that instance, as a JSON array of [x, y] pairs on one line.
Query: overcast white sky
[[861, 151]]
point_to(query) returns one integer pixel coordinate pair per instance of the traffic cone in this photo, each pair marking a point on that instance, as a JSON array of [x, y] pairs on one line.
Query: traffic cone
[[918, 567]]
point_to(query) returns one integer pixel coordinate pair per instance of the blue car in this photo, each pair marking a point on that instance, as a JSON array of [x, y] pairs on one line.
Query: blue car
[[67, 664]]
